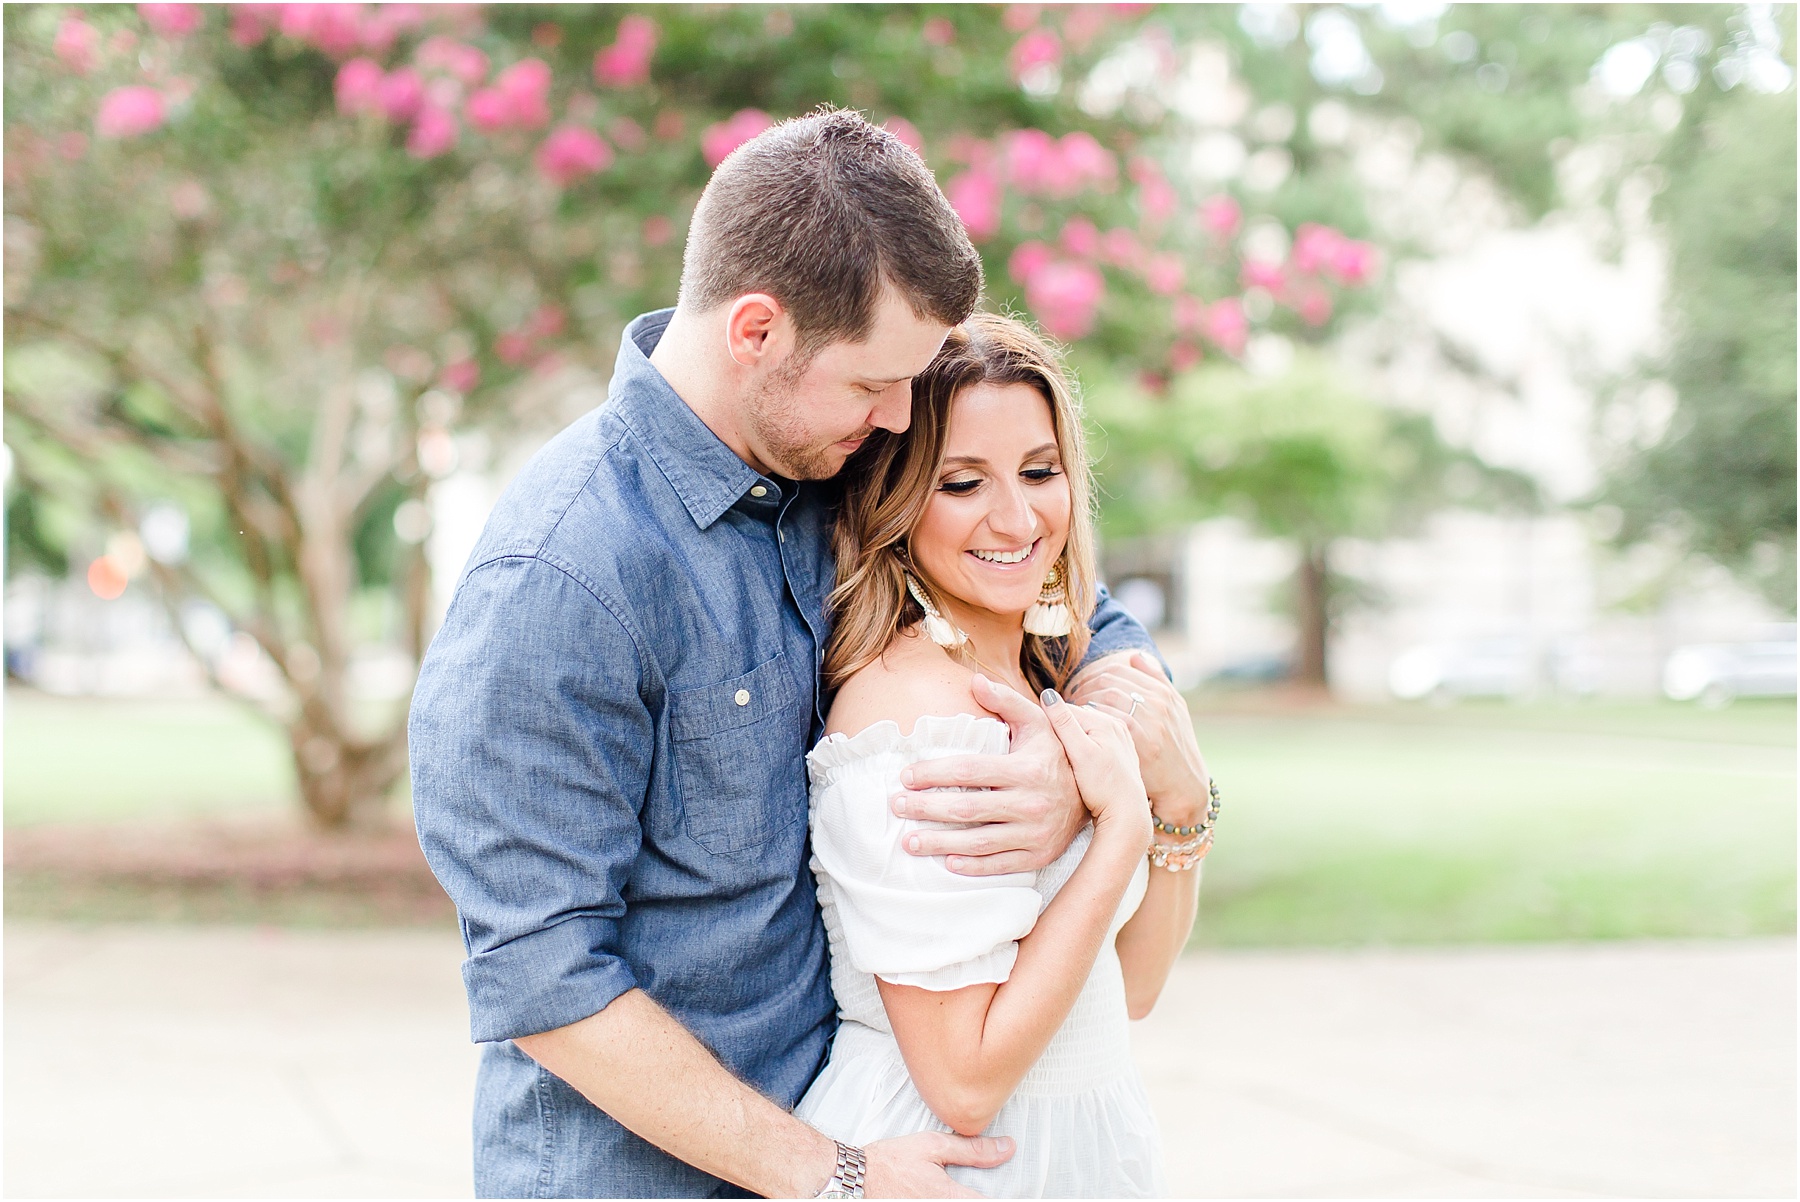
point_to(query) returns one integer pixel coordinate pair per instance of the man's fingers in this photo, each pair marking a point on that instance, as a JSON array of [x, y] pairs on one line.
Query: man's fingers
[[977, 1152], [964, 772], [1013, 708], [994, 865]]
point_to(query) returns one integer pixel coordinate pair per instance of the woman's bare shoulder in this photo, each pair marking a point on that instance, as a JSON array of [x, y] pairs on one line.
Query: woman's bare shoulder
[[912, 679]]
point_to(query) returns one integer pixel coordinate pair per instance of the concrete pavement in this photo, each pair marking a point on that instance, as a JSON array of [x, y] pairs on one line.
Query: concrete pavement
[[216, 1062]]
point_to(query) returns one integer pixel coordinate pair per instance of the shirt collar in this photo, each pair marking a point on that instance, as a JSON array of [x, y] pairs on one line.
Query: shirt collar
[[705, 473]]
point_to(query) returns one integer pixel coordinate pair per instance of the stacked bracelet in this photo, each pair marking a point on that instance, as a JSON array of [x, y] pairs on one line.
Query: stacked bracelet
[[1179, 857]]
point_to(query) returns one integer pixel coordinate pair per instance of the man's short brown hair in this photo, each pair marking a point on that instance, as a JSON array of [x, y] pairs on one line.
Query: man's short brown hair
[[820, 212]]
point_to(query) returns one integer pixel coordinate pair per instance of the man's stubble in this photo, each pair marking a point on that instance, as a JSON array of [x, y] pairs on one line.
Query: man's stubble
[[773, 416]]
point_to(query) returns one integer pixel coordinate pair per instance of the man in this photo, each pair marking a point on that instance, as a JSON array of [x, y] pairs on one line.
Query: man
[[609, 732]]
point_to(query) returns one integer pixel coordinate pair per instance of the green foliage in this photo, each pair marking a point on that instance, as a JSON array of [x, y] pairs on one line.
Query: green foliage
[[1724, 474]]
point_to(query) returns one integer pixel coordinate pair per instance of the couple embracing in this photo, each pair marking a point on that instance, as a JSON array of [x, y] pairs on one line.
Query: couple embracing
[[783, 866]]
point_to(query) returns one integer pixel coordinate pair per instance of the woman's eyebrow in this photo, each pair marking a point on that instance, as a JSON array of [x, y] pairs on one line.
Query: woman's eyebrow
[[1048, 448]]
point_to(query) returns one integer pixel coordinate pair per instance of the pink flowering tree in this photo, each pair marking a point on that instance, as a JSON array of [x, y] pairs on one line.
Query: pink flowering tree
[[275, 263]]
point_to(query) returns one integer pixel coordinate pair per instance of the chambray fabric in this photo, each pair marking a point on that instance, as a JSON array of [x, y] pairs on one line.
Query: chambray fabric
[[608, 743]]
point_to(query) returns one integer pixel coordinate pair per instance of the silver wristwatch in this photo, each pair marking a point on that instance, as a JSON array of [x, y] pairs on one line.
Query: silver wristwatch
[[847, 1180]]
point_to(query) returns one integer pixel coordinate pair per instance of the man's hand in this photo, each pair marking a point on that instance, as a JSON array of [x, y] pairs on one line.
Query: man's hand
[[912, 1166], [1024, 807], [1132, 686]]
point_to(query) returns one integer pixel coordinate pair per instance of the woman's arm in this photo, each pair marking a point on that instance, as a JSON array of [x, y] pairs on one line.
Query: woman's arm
[[1176, 779], [967, 1049]]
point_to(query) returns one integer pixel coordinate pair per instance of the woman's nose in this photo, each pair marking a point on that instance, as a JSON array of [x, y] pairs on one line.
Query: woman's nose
[[1011, 515]]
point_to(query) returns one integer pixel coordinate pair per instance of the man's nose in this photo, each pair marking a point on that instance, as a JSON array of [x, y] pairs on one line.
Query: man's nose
[[893, 408]]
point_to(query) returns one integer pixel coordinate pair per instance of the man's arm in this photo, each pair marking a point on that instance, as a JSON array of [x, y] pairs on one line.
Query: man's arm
[[531, 749], [1025, 802], [638, 1064]]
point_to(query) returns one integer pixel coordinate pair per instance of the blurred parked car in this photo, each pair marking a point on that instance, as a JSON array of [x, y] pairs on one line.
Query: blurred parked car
[[1496, 667], [1716, 673]]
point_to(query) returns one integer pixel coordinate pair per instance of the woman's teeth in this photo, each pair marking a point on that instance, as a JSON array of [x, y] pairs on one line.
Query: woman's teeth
[[1004, 556]]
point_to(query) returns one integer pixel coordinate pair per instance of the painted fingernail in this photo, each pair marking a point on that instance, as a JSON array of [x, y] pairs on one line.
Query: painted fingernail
[[1050, 697]]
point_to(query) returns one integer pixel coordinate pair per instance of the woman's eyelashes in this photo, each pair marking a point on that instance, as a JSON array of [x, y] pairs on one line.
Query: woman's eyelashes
[[1031, 475]]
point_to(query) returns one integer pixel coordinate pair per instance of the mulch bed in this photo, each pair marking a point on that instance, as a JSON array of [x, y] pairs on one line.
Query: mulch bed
[[259, 870]]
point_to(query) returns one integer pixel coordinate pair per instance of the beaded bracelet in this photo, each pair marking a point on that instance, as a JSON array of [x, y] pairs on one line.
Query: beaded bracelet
[[1200, 828]]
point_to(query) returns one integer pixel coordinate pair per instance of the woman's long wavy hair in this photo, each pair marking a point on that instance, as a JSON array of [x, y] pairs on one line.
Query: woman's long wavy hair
[[891, 479]]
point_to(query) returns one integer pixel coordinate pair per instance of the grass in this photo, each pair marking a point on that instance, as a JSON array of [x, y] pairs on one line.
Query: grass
[[1476, 823], [1501, 823]]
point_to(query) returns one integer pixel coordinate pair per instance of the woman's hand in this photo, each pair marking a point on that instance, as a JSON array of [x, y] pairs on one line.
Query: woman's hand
[[1133, 689], [1101, 751]]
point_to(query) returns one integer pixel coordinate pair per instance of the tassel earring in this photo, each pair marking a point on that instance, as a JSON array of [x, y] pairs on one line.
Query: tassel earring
[[1049, 616], [938, 628]]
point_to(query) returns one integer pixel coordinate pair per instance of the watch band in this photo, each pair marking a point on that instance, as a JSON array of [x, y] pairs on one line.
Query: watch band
[[847, 1180]]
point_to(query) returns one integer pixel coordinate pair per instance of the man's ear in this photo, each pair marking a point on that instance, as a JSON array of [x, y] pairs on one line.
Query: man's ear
[[757, 330]]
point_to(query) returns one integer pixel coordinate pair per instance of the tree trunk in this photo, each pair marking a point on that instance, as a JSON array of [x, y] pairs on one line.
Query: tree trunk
[[1312, 614], [341, 780]]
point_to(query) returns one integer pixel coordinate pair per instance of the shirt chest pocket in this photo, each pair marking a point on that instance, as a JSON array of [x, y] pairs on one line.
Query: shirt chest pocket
[[737, 749]]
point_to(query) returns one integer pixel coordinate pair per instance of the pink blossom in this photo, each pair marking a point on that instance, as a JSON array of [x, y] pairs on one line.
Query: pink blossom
[[433, 132], [626, 63], [938, 31], [1039, 48], [657, 230], [907, 132], [1121, 247], [1085, 161], [1065, 296], [1020, 17], [1354, 263], [401, 94], [386, 22], [1033, 160], [1028, 259], [333, 28], [1143, 169], [975, 195], [526, 86], [1225, 324], [171, 20], [572, 152], [1184, 356], [1165, 275], [1258, 274], [548, 322], [1084, 23], [461, 376], [248, 26], [358, 86], [1157, 200], [1220, 215], [1080, 238], [76, 44], [467, 63], [512, 348], [722, 138], [488, 110], [627, 133], [1314, 307], [1315, 248], [128, 112], [72, 145]]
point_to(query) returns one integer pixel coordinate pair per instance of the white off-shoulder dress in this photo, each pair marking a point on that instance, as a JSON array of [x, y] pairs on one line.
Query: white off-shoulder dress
[[1081, 1118]]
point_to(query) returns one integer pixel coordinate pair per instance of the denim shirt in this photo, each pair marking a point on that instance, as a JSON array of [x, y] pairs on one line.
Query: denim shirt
[[608, 743]]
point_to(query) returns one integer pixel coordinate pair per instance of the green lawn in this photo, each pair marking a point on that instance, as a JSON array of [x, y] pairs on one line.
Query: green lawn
[[1403, 825]]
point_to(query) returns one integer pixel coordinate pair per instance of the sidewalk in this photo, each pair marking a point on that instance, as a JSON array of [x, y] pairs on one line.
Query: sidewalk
[[212, 1062]]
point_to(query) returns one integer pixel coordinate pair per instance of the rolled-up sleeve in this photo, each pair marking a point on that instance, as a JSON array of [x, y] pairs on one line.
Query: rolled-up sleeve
[[531, 747]]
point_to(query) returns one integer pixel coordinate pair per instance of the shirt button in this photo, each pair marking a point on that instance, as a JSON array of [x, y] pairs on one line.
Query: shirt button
[[742, 697], [758, 491]]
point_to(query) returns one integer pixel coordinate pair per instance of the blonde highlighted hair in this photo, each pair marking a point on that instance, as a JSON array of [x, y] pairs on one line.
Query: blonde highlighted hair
[[891, 479]]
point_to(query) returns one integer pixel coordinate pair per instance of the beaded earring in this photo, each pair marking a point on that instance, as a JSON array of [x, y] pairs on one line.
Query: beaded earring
[[1049, 616], [938, 628]]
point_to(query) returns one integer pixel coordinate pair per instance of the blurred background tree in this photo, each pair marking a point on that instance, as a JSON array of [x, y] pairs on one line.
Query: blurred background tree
[[273, 270]]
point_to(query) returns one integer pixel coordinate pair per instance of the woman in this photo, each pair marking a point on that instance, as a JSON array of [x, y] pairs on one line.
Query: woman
[[993, 1004]]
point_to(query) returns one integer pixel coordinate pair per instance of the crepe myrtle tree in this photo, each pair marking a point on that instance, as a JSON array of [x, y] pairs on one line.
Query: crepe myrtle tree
[[267, 263]]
